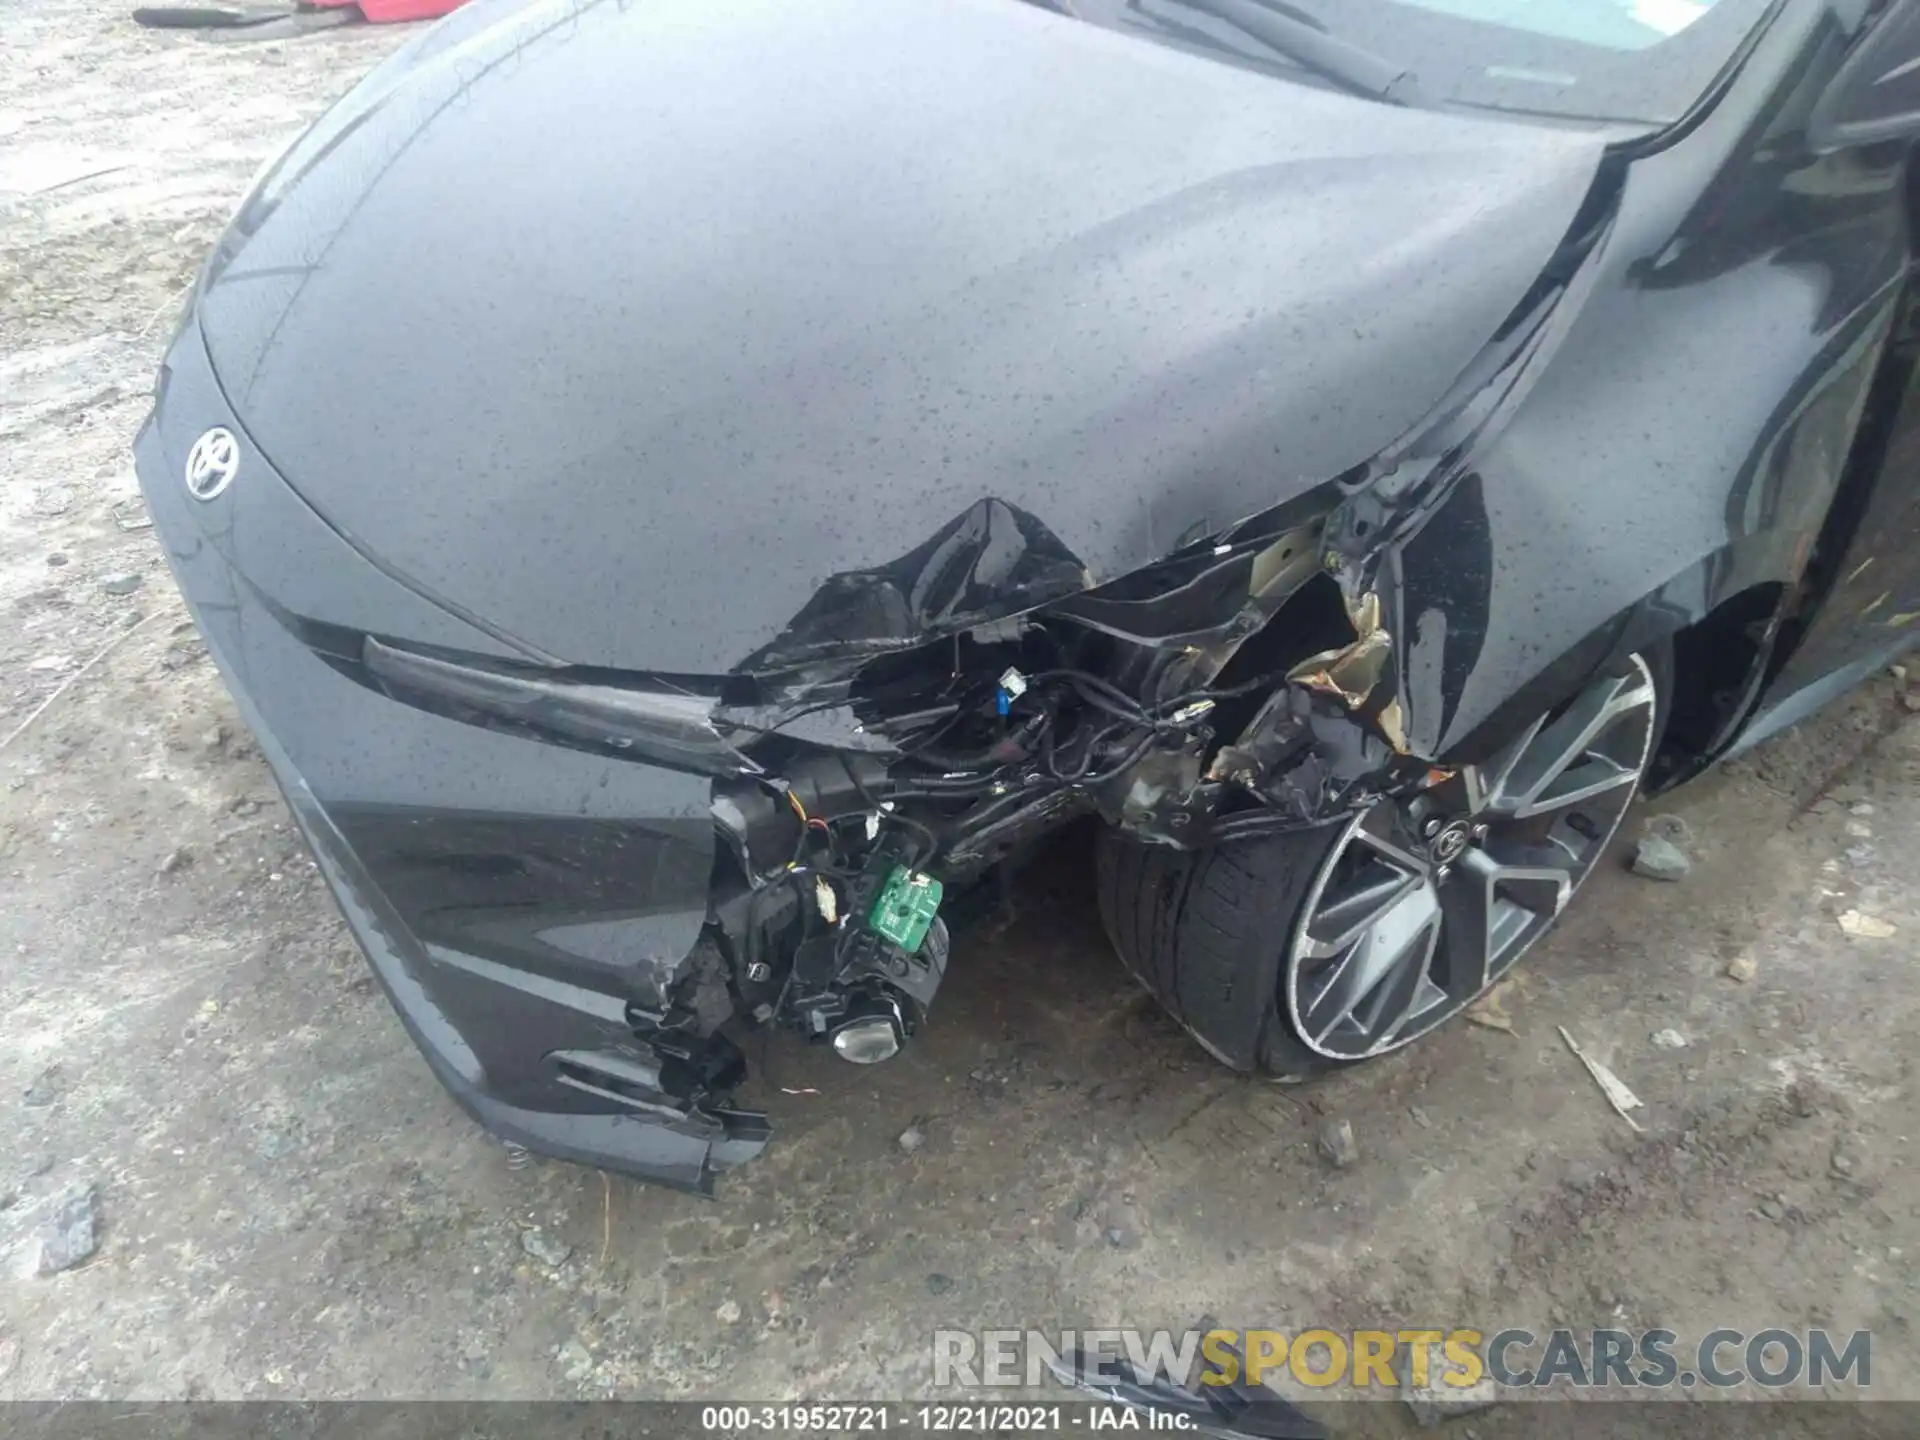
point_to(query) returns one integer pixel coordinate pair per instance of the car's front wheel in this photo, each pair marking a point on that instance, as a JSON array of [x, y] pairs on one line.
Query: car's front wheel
[[1302, 951]]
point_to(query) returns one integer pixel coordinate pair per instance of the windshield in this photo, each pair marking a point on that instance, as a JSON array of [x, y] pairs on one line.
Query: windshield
[[1641, 61]]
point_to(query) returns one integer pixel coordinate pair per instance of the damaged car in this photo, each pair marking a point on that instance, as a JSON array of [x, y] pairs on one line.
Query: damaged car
[[679, 490]]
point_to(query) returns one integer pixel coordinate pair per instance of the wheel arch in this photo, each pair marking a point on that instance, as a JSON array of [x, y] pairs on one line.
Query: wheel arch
[[1721, 622]]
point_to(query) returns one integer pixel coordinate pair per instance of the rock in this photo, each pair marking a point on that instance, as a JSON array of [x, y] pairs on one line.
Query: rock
[[1116, 1236], [181, 654], [1742, 968], [1434, 1403], [912, 1138], [1861, 808], [1671, 828], [122, 582], [938, 1284], [1337, 1145], [48, 1086], [728, 1313], [543, 1247], [1669, 1039], [56, 560], [1860, 856], [1428, 1414], [1911, 700], [575, 1360], [1862, 926], [1771, 1209], [1841, 1163], [1658, 859], [71, 1234], [177, 860], [214, 737], [1419, 1117]]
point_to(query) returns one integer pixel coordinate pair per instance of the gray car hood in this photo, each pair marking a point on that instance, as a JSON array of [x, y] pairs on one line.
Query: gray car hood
[[629, 327]]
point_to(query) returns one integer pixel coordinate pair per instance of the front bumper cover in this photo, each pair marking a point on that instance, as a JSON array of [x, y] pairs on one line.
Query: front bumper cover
[[514, 899]]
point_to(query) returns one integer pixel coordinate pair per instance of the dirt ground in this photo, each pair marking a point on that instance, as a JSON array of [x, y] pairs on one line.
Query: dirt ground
[[292, 1207]]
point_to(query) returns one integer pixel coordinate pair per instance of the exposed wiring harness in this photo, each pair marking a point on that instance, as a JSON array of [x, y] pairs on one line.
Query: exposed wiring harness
[[1059, 729], [1067, 728], [1092, 754], [803, 865]]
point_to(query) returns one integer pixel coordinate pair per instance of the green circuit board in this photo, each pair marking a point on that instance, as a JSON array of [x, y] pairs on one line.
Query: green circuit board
[[904, 912]]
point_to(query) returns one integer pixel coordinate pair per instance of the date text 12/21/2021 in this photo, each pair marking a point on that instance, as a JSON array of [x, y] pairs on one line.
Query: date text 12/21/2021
[[947, 1419]]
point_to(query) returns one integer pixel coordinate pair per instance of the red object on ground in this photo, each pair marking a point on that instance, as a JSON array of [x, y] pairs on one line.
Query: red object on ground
[[392, 12]]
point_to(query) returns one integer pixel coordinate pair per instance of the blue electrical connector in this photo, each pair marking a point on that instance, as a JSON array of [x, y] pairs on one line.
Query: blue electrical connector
[[1012, 686]]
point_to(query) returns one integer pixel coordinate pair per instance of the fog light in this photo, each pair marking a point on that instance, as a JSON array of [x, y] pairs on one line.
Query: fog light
[[870, 1034]]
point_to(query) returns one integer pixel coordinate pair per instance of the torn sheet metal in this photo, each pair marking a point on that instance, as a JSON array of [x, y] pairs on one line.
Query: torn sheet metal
[[1351, 671], [991, 561], [1354, 673]]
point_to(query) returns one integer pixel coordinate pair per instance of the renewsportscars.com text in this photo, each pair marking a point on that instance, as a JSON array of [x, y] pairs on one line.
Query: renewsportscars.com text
[[1442, 1359]]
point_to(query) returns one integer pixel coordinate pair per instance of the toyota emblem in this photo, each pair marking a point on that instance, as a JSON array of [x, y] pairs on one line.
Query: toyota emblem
[[212, 463]]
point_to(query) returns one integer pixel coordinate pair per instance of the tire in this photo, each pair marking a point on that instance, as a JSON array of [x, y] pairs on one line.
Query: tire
[[1209, 932], [1204, 932]]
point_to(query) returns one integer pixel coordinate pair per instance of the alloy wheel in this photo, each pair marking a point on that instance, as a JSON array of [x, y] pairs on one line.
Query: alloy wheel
[[1426, 901]]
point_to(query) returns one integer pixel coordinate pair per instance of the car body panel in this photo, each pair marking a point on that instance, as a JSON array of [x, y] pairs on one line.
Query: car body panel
[[525, 894], [1690, 423], [829, 276]]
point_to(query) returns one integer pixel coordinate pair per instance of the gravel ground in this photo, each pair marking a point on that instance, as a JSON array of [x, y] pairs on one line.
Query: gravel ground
[[284, 1204]]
